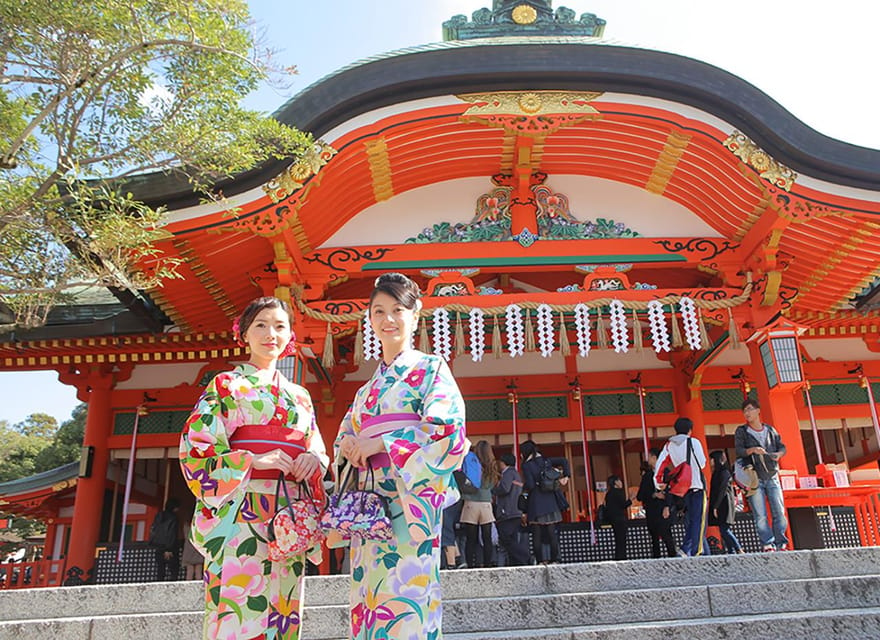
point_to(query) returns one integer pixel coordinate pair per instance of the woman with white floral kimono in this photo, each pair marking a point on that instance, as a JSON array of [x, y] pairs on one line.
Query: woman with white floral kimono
[[250, 425], [407, 426]]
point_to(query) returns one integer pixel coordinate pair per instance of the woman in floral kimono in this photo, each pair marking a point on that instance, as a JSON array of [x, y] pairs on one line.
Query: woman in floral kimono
[[250, 424], [407, 425]]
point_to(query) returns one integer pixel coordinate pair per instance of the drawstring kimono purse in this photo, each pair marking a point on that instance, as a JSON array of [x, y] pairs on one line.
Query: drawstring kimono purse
[[295, 528], [358, 514]]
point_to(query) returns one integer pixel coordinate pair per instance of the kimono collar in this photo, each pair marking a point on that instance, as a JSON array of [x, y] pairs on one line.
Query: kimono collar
[[406, 358]]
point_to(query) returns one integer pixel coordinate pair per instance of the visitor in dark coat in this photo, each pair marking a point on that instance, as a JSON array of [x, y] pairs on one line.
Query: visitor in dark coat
[[722, 501], [543, 506], [616, 504], [658, 508]]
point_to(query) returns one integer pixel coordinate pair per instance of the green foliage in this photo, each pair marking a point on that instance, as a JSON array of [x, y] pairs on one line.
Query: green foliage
[[93, 96]]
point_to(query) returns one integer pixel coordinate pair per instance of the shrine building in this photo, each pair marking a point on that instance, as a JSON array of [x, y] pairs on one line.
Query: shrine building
[[607, 237]]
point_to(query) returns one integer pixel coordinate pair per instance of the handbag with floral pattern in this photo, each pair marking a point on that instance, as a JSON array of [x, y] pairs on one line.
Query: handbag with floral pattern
[[358, 513], [295, 528]]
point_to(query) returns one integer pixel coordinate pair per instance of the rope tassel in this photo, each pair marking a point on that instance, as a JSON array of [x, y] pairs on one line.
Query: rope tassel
[[732, 332], [459, 336], [564, 345], [423, 337], [601, 334], [497, 349], [530, 332], [359, 358], [328, 359], [704, 334], [676, 331], [638, 341]]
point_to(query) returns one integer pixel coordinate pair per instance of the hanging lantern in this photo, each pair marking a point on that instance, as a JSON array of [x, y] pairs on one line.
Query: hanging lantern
[[780, 353]]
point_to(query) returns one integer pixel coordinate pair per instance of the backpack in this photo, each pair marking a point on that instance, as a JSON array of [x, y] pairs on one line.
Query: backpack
[[679, 478], [548, 479], [163, 531], [473, 469]]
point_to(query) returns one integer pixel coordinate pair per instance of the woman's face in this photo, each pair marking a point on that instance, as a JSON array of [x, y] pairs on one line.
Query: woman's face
[[268, 334], [392, 322]]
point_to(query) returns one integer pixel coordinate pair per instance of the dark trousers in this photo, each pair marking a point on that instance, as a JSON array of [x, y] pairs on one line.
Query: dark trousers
[[619, 529], [474, 531], [694, 522], [661, 531], [171, 564], [512, 540], [542, 533]]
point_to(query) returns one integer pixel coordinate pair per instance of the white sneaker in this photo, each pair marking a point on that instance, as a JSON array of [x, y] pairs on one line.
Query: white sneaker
[[769, 547]]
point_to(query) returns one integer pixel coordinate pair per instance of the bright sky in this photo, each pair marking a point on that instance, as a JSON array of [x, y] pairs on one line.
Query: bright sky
[[817, 60]]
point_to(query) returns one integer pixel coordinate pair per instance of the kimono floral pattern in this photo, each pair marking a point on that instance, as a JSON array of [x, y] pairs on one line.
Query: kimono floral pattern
[[247, 595], [395, 586]]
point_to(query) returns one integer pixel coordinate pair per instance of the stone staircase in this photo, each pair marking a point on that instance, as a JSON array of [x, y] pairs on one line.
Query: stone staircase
[[791, 595]]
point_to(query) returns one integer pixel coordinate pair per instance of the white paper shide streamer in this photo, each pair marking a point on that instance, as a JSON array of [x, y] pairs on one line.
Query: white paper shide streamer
[[476, 325], [691, 323], [545, 330], [619, 337], [442, 335], [582, 325], [516, 339], [372, 346], [659, 328]]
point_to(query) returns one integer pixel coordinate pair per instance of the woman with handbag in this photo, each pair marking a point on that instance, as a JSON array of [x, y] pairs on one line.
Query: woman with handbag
[[476, 514], [251, 434], [722, 501], [406, 425], [542, 508]]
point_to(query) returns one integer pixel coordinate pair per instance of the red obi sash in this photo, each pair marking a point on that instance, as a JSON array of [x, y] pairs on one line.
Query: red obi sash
[[262, 438]]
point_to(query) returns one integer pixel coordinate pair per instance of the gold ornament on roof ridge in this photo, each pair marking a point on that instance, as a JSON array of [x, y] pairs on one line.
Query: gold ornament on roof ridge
[[529, 103], [524, 14], [752, 155], [294, 177]]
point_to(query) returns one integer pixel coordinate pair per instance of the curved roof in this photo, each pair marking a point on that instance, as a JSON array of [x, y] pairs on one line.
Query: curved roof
[[541, 63]]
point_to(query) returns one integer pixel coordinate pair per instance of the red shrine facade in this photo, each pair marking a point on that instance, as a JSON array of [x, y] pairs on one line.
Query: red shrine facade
[[606, 237]]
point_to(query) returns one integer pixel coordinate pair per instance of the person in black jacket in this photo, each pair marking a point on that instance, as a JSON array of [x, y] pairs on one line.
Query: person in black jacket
[[165, 540], [616, 504], [722, 501], [658, 508], [543, 505], [508, 517]]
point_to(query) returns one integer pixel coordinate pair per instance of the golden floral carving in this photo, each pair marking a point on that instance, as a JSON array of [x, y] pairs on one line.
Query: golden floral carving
[[294, 177], [752, 155], [530, 113], [524, 14]]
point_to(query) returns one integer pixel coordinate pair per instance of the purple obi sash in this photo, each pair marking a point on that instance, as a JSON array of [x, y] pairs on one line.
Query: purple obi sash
[[262, 438], [377, 426]]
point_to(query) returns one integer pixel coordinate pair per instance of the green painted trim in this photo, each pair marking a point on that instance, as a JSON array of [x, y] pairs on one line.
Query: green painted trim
[[528, 261]]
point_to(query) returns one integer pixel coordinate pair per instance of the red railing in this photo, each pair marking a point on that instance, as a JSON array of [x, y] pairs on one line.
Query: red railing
[[864, 499], [28, 575]]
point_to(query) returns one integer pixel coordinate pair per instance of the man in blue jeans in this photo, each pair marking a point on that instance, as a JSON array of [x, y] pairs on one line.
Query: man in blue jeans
[[759, 445]]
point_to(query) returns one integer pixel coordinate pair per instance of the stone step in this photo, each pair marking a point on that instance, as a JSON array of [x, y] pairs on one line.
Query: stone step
[[560, 612], [843, 624], [597, 577]]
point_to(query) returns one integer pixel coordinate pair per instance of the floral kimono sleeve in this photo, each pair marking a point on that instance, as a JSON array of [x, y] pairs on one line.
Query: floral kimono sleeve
[[215, 473], [426, 455]]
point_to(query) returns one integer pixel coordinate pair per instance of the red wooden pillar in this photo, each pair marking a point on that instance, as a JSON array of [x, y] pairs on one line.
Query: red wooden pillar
[[687, 397], [89, 500], [779, 408]]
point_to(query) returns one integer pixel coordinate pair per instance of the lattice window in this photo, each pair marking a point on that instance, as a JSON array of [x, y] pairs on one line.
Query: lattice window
[[530, 408], [153, 422], [617, 404], [724, 399], [831, 394]]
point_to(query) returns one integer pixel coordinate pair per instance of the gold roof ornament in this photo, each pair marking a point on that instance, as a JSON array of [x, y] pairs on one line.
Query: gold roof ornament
[[752, 155]]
